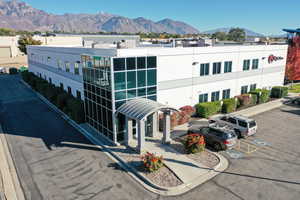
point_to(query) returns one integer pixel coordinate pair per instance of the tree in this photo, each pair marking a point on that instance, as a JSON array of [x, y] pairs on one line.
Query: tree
[[7, 32], [220, 36], [27, 40], [236, 34]]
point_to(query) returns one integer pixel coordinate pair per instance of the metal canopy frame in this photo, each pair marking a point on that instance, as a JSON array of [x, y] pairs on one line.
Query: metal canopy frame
[[141, 108]]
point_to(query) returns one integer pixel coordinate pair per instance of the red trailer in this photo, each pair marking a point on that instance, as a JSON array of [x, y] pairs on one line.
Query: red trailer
[[292, 72]]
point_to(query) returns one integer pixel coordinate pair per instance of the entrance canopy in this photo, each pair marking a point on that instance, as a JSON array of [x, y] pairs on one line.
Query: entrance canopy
[[141, 108]]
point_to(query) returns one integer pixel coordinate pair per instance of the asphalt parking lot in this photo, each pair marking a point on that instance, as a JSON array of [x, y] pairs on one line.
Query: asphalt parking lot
[[54, 161]]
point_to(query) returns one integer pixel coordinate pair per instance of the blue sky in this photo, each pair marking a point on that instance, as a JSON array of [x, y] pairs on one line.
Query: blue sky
[[264, 16]]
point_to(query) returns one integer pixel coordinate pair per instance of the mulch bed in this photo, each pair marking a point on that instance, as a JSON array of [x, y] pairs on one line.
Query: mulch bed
[[206, 157], [163, 177]]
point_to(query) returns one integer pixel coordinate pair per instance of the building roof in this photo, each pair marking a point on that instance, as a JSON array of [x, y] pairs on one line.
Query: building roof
[[141, 108], [292, 30]]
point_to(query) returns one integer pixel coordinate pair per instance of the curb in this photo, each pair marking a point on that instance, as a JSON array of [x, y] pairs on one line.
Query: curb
[[146, 183], [9, 176]]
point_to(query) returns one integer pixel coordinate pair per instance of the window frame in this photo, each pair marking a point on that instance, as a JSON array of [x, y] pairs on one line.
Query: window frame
[[246, 64], [217, 67]]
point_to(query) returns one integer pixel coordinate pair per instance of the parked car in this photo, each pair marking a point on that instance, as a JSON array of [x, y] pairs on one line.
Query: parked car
[[220, 137], [243, 126], [2, 70], [296, 101]]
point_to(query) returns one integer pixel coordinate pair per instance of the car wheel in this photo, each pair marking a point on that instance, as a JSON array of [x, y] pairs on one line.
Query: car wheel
[[217, 146], [239, 134]]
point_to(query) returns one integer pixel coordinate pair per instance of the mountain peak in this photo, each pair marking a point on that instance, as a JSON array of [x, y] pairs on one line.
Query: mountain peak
[[18, 15]]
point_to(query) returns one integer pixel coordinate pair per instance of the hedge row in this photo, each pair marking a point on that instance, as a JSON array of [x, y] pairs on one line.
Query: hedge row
[[70, 105], [257, 96]]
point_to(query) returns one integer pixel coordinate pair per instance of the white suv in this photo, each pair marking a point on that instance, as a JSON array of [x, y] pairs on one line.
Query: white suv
[[243, 126]]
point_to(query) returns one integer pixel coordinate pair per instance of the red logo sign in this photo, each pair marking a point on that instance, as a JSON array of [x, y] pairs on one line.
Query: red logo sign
[[273, 58]]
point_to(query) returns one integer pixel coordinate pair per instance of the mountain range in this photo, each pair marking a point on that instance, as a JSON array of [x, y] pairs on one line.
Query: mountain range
[[226, 30], [21, 16]]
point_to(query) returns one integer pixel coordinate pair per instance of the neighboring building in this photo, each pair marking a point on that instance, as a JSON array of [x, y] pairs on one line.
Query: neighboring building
[[293, 58], [108, 79], [9, 47]]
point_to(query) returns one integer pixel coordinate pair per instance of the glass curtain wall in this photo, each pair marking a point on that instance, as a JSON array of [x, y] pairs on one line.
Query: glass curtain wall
[[98, 93], [134, 77]]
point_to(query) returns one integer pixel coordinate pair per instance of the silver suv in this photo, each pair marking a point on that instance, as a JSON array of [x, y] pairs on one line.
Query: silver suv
[[243, 126]]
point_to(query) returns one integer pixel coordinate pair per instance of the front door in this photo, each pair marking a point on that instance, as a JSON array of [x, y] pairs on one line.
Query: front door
[[149, 126]]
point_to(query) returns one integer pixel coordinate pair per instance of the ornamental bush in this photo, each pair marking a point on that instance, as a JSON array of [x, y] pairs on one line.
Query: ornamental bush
[[229, 105], [194, 143], [263, 95], [13, 70], [208, 109], [152, 162], [279, 92], [244, 100]]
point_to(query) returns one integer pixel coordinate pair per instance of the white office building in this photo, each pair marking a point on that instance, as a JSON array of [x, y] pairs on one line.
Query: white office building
[[111, 81]]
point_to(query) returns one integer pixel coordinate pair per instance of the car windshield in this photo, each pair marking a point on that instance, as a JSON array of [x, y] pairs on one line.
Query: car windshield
[[252, 124], [242, 123]]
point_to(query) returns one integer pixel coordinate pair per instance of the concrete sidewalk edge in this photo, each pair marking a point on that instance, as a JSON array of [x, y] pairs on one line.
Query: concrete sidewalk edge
[[146, 183], [11, 182]]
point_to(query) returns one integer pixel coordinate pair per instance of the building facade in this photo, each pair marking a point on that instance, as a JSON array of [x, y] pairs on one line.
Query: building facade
[[109, 78]]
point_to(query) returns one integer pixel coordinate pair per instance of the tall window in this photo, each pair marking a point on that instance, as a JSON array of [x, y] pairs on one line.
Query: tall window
[[78, 94], [226, 94], [217, 68], [228, 66], [244, 89], [255, 63], [76, 68], [246, 65], [215, 96], [67, 66], [48, 59], [203, 98], [252, 87], [204, 69], [69, 90]]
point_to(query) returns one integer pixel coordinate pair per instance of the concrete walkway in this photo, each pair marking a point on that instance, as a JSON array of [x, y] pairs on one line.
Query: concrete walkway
[[186, 169]]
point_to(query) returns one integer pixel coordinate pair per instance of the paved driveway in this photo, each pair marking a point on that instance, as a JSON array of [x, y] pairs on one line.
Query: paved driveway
[[55, 162]]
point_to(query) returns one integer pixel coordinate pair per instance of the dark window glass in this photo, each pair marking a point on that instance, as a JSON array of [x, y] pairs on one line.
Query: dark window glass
[[231, 120], [252, 87], [121, 122], [131, 79], [151, 90], [227, 66], [98, 91], [255, 63], [226, 94], [141, 75], [103, 93], [151, 62], [215, 96], [131, 63], [119, 64], [151, 77], [119, 103], [131, 93], [141, 62], [109, 117], [204, 69], [69, 90], [153, 98], [246, 65], [120, 95], [242, 123], [104, 112], [244, 89], [120, 82], [217, 68], [203, 98], [142, 92]]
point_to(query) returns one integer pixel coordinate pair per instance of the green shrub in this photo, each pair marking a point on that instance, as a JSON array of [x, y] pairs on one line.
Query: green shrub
[[253, 99], [229, 105], [207, 109], [263, 95], [152, 162], [76, 110], [279, 92], [13, 70], [61, 101]]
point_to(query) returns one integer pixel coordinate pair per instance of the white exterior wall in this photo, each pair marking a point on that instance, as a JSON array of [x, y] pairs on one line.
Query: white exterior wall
[[12, 42], [57, 40], [174, 69], [39, 64]]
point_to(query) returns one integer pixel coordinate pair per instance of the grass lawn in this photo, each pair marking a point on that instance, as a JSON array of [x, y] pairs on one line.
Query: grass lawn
[[295, 89]]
